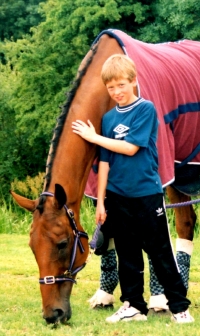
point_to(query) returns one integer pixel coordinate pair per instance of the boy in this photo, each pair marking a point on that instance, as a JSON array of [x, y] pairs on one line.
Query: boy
[[128, 178]]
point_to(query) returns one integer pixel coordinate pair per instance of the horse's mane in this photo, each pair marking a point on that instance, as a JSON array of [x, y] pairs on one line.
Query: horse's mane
[[65, 109]]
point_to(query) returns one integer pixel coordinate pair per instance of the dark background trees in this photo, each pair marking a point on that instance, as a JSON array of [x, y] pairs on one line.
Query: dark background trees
[[42, 44], [17, 17]]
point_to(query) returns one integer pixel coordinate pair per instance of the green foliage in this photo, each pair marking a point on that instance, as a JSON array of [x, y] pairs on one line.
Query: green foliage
[[17, 17], [87, 215], [31, 187], [173, 20], [38, 68], [8, 139], [43, 66], [13, 220]]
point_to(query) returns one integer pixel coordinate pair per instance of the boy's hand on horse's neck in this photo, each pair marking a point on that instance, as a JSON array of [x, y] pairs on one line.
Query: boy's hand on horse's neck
[[88, 133]]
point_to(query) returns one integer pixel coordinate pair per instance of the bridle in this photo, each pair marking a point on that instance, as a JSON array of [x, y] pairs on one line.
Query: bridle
[[68, 274]]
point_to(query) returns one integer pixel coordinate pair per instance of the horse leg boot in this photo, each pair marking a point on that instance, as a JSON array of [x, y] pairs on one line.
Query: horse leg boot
[[184, 249], [185, 223], [157, 299], [103, 298]]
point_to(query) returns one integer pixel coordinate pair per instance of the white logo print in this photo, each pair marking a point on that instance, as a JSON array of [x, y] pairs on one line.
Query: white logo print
[[159, 211], [121, 130]]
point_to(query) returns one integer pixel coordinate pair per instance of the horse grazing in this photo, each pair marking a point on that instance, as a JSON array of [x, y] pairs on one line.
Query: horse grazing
[[56, 237]]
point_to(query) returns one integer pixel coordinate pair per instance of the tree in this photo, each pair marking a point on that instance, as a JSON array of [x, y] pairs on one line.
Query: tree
[[17, 17], [17, 157], [173, 20], [44, 63]]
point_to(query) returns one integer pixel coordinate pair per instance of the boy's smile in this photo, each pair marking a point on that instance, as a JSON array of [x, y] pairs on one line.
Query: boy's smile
[[122, 91]]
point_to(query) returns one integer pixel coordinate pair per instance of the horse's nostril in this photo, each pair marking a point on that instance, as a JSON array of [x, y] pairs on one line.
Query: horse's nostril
[[55, 317], [59, 312]]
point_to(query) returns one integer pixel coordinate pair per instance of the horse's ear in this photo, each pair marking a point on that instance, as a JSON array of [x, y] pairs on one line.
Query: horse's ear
[[24, 202], [60, 196]]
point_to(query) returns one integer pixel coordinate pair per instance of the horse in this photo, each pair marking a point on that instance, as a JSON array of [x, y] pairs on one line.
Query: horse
[[57, 239]]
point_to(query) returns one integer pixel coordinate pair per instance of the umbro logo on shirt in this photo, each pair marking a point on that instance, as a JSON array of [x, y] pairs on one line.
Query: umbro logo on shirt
[[121, 130], [159, 211]]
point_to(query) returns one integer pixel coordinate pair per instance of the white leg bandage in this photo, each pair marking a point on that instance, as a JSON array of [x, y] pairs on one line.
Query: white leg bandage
[[184, 249], [184, 245], [158, 302], [101, 298]]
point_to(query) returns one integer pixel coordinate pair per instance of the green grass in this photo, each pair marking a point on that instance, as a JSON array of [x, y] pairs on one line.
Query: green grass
[[14, 219], [20, 300]]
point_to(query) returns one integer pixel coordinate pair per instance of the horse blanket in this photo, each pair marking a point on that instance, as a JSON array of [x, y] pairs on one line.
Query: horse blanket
[[168, 74]]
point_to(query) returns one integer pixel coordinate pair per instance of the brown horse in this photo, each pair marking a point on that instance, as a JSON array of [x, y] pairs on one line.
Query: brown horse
[[56, 236]]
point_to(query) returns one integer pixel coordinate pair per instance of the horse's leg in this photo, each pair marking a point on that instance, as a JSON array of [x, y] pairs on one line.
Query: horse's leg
[[103, 298], [185, 219], [185, 215]]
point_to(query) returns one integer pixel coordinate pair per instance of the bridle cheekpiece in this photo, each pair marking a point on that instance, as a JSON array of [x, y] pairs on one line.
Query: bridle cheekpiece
[[68, 274]]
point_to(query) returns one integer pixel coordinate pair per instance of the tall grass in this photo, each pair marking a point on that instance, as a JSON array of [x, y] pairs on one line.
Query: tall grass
[[14, 220]]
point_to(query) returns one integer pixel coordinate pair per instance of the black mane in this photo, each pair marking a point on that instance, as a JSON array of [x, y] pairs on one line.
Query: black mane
[[61, 119]]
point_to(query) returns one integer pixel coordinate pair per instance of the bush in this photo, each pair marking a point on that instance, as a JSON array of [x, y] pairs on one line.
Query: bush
[[31, 187]]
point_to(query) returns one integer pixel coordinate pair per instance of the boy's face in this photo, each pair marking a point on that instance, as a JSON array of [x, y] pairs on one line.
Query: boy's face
[[122, 91]]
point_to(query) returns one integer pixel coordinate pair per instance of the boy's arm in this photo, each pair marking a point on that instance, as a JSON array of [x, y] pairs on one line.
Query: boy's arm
[[103, 171], [88, 133]]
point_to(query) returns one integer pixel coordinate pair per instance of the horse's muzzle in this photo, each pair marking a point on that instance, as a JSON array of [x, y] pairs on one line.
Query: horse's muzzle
[[57, 315]]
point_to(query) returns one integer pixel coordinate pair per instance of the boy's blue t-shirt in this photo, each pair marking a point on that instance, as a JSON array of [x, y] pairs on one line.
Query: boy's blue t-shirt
[[137, 175]]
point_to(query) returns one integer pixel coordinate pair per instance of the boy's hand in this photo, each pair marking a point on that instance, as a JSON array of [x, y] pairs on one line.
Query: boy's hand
[[87, 132], [100, 214]]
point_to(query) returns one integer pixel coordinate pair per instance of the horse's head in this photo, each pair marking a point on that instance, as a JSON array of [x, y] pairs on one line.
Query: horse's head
[[60, 249]]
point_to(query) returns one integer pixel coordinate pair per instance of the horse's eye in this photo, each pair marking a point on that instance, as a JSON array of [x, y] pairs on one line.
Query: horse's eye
[[62, 245]]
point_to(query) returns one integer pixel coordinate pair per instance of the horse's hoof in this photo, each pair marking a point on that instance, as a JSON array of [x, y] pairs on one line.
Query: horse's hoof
[[162, 312], [101, 306]]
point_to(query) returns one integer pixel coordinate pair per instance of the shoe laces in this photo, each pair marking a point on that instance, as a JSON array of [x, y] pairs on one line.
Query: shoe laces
[[183, 314], [125, 306]]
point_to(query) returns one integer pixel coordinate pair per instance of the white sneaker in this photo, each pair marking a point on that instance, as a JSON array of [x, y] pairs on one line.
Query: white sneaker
[[183, 317], [126, 313]]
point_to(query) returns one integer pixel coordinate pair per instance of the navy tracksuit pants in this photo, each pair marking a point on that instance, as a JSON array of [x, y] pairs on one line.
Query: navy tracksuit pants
[[140, 224]]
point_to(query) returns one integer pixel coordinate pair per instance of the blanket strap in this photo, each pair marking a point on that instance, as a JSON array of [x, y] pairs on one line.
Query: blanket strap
[[190, 157]]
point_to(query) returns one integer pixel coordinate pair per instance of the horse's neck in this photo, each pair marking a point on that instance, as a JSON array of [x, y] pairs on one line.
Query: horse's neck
[[74, 156]]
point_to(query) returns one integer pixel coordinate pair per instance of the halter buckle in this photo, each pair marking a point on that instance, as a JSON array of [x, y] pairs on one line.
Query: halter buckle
[[68, 273], [70, 213], [49, 280]]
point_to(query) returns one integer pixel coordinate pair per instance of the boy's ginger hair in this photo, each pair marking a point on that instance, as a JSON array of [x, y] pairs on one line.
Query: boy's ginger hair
[[116, 67]]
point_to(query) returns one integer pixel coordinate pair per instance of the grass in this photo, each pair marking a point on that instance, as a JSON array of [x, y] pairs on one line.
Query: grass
[[20, 300], [14, 220]]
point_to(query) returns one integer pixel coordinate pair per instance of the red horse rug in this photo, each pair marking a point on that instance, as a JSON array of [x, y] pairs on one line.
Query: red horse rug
[[168, 74]]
